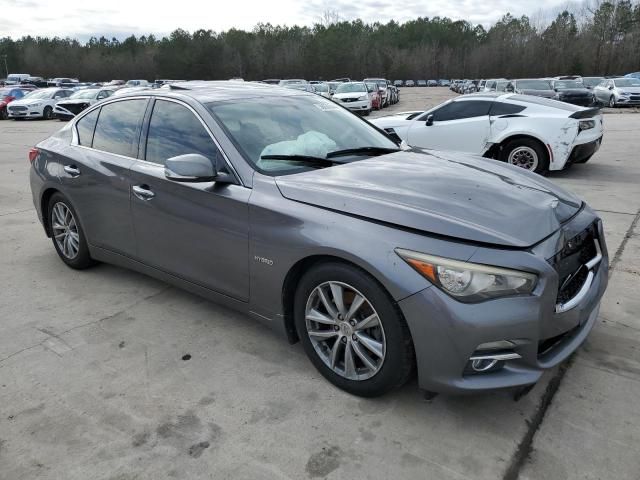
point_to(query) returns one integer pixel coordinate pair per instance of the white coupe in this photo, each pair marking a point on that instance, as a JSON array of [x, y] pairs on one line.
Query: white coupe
[[534, 133]]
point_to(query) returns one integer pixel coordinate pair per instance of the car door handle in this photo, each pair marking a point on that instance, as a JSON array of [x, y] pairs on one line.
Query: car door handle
[[72, 170], [143, 192]]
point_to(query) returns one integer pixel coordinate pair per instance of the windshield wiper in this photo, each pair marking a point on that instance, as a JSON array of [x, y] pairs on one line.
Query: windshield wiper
[[318, 161], [362, 151]]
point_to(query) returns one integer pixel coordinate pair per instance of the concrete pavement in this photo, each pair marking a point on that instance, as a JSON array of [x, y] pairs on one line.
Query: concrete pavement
[[107, 374]]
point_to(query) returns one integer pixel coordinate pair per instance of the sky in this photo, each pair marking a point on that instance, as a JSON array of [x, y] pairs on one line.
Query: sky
[[121, 18]]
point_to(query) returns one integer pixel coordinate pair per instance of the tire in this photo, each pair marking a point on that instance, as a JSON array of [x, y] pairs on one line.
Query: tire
[[4, 115], [388, 369], [612, 101], [81, 259], [47, 113], [367, 112], [521, 150]]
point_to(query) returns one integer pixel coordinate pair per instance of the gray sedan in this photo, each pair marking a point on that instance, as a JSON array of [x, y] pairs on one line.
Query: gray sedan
[[282, 204]]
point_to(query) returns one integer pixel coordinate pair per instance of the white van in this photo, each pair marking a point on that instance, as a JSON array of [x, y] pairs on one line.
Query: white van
[[16, 78]]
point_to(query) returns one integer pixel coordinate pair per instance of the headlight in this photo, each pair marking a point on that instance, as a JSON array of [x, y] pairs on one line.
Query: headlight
[[586, 124], [35, 105], [469, 282], [364, 97], [625, 94]]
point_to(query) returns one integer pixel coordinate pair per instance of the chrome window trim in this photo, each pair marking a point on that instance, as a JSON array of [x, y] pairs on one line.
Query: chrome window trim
[[75, 138]]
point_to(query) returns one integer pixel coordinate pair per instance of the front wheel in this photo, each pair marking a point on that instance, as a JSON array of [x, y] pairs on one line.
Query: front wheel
[[47, 113], [526, 153], [612, 101], [352, 331], [4, 114]]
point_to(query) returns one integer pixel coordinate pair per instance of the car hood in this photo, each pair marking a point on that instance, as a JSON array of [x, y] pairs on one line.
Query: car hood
[[538, 93], [574, 91], [75, 101], [449, 194], [27, 102], [349, 95], [629, 89]]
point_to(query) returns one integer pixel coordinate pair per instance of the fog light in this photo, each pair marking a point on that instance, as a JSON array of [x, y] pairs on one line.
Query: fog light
[[483, 365]]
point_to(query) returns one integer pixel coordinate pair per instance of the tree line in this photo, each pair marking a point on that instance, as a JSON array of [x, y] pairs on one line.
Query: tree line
[[601, 40]]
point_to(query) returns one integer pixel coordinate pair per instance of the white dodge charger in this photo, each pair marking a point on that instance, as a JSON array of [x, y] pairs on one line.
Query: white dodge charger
[[534, 133]]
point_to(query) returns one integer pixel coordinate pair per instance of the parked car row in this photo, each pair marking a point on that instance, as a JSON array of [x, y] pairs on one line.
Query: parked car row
[[422, 83], [358, 96], [584, 91]]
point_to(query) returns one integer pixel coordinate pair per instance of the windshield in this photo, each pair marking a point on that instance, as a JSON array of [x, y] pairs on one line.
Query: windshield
[[568, 84], [592, 81], [84, 94], [627, 82], [39, 94], [293, 125], [533, 85], [321, 87], [351, 87]]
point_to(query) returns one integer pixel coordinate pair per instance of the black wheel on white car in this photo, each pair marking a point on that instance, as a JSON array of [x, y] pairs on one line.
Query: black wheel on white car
[[47, 113], [526, 153], [352, 331], [612, 101], [4, 115], [67, 234]]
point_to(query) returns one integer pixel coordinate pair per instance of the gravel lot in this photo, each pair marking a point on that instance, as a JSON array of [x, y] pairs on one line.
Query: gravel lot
[[108, 374]]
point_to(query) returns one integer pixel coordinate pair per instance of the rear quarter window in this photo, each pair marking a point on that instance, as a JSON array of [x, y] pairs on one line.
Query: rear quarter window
[[85, 127], [500, 108]]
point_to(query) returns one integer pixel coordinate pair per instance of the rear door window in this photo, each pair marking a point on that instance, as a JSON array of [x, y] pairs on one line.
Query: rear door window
[[175, 130], [118, 127]]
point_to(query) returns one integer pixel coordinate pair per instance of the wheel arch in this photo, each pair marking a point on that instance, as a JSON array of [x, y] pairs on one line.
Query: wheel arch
[[496, 149], [293, 277], [44, 207]]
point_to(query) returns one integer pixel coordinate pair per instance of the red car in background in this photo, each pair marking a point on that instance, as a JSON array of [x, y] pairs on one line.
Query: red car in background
[[374, 93], [8, 95]]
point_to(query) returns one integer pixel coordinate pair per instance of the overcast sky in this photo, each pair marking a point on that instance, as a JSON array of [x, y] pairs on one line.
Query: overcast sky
[[120, 18]]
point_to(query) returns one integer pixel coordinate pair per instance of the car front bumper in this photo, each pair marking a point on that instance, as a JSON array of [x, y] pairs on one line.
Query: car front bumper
[[29, 112], [447, 333], [629, 100], [358, 106]]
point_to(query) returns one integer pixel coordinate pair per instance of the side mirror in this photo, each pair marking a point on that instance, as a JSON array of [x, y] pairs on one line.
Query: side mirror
[[610, 87], [429, 121], [191, 167]]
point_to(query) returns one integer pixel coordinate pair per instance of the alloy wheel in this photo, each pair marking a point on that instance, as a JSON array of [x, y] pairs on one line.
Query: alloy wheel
[[345, 330], [65, 230], [524, 157], [612, 101]]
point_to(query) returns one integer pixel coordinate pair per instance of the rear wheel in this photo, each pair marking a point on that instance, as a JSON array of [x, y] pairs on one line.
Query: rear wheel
[[526, 153], [351, 330], [67, 234]]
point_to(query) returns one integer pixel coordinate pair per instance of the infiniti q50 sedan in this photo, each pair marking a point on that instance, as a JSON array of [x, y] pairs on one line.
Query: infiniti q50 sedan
[[379, 258]]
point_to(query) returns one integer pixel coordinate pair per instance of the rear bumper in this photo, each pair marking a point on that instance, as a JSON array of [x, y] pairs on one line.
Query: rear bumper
[[584, 151]]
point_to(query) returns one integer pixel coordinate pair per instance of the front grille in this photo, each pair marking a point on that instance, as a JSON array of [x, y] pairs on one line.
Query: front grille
[[635, 98], [349, 99], [17, 108], [570, 263]]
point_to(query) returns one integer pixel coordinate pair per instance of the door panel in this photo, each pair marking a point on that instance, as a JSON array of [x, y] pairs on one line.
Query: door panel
[[196, 231], [464, 135]]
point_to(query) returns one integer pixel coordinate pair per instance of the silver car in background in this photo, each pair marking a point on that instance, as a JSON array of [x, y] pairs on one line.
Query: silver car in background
[[382, 260], [617, 92]]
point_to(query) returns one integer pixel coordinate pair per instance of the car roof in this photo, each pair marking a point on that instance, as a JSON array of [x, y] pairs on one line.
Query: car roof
[[211, 91]]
